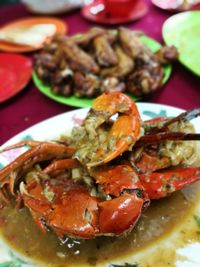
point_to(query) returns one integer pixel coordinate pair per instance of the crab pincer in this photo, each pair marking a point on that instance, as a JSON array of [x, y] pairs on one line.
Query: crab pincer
[[67, 207], [122, 135], [127, 198], [62, 206]]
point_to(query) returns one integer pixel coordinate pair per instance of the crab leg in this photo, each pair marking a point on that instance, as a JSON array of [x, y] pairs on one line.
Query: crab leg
[[44, 151], [3, 198], [61, 164], [162, 183], [166, 136], [161, 124], [31, 143], [185, 116]]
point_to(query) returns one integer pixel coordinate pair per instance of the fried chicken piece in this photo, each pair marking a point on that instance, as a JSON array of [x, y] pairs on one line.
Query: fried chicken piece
[[167, 54], [125, 65], [112, 84], [111, 36], [144, 81], [86, 84], [44, 74], [148, 73], [45, 60], [62, 74], [133, 46], [78, 59], [62, 89], [45, 66], [63, 82], [84, 39], [104, 52]]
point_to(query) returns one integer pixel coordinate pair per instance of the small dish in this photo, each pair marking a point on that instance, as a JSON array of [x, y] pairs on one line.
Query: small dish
[[95, 12], [28, 22], [49, 7], [178, 5], [183, 31], [15, 73]]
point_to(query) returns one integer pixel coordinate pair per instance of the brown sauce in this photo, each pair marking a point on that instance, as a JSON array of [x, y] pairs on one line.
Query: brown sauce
[[157, 222]]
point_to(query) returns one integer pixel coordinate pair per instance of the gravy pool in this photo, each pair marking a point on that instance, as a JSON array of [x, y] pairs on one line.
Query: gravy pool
[[158, 221]]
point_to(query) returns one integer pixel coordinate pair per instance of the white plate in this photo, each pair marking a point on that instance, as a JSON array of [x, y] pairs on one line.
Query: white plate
[[187, 256]]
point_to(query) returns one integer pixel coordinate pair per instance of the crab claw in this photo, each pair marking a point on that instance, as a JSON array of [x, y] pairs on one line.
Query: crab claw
[[63, 206], [75, 213], [162, 183], [121, 213], [114, 180], [125, 129], [122, 134], [67, 207]]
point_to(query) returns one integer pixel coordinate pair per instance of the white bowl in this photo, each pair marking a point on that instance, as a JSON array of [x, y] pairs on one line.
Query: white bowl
[[50, 7]]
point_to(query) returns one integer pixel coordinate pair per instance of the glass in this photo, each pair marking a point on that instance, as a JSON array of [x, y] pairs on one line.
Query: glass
[[119, 8]]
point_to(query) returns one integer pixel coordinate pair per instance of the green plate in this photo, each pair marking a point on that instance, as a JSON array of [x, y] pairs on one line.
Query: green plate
[[86, 102], [183, 31]]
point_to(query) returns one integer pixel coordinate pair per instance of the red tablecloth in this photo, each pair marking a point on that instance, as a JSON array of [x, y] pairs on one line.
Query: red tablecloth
[[30, 106]]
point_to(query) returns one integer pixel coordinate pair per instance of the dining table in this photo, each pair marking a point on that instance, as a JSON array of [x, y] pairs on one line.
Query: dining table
[[30, 106]]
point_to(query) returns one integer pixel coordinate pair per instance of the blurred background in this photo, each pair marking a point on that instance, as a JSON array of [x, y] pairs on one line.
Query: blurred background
[[6, 2]]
